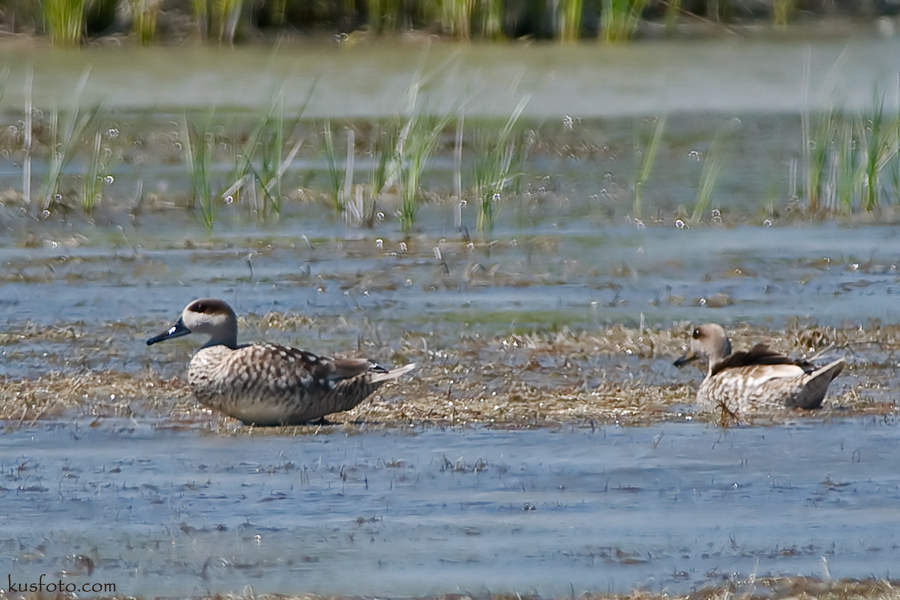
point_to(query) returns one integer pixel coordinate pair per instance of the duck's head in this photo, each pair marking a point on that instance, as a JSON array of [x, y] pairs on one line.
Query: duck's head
[[708, 342], [207, 315]]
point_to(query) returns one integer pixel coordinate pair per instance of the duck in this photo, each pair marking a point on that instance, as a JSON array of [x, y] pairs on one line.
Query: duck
[[759, 379], [268, 384]]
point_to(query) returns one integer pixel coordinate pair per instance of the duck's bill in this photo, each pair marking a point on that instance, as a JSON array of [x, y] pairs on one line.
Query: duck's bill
[[689, 357], [177, 330]]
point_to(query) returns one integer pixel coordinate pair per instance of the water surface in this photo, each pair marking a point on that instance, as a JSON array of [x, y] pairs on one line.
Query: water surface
[[669, 507]]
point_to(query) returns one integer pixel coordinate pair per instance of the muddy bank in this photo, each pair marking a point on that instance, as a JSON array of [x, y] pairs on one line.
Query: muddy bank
[[773, 588], [614, 375]]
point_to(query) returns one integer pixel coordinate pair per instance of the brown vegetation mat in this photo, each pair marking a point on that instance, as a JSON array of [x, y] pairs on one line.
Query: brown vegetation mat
[[762, 588], [612, 375]]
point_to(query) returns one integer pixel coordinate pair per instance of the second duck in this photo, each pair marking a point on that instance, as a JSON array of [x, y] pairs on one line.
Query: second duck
[[756, 379]]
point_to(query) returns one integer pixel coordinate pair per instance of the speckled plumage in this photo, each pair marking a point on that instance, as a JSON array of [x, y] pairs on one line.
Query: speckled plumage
[[267, 384], [757, 379]]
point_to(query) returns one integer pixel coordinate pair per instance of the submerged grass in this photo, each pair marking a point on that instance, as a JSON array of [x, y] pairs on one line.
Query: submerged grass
[[334, 172], [499, 164], [849, 165], [259, 161], [714, 163], [66, 131], [198, 144], [417, 140], [648, 158]]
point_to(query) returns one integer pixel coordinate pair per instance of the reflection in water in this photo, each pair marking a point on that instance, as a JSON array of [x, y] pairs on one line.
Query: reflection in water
[[673, 506]]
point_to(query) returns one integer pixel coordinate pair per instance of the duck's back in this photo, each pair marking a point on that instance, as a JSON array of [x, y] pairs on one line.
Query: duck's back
[[751, 388], [267, 384]]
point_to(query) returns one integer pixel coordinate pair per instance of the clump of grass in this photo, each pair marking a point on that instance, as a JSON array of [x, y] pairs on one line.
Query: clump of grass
[[815, 153], [456, 17], [198, 146], [341, 182], [144, 16], [64, 19], [269, 176], [880, 142], [494, 170], [66, 130], [218, 18], [619, 19], [845, 158], [200, 10], [92, 184], [227, 13], [648, 158], [361, 204], [28, 135], [334, 172], [273, 162], [385, 15], [845, 173], [673, 8], [491, 19], [259, 162], [570, 20], [415, 145], [714, 163], [383, 145], [718, 10], [417, 139], [782, 11]]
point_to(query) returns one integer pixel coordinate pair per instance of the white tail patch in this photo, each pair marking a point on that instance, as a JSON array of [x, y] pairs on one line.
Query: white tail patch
[[829, 371], [393, 373]]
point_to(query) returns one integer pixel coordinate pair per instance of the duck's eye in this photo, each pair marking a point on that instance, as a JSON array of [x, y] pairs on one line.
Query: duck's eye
[[696, 334], [200, 308]]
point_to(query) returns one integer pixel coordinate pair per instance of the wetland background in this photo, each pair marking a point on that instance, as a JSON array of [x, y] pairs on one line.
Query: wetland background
[[535, 226]]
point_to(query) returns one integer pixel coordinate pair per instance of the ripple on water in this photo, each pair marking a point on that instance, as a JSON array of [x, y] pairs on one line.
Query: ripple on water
[[671, 506]]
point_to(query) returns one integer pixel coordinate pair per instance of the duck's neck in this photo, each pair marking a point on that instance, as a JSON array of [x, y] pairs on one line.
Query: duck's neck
[[717, 358], [223, 338]]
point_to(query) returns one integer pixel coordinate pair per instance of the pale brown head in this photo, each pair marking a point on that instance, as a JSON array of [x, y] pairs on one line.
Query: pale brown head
[[207, 315], [708, 342]]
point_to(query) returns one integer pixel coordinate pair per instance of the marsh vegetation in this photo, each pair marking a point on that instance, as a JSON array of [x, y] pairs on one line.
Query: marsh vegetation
[[70, 22], [64, 158]]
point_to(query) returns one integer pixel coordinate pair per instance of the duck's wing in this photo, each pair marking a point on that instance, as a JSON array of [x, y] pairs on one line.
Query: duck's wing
[[760, 354], [346, 368]]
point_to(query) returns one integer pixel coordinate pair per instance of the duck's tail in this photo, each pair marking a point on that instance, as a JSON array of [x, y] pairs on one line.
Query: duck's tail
[[392, 374], [816, 384]]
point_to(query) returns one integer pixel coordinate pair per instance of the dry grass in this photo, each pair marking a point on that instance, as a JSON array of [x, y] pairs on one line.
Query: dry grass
[[613, 375]]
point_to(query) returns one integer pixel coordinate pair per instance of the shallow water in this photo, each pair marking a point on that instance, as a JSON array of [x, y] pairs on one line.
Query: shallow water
[[575, 275], [673, 507]]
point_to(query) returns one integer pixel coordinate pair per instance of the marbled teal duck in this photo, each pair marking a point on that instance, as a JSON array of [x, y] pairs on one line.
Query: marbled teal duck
[[756, 379], [267, 384]]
